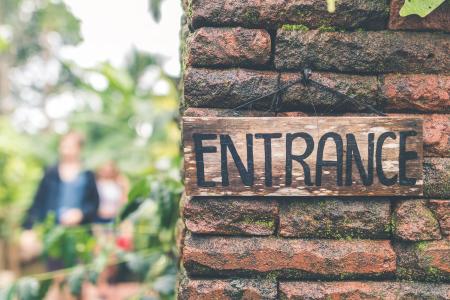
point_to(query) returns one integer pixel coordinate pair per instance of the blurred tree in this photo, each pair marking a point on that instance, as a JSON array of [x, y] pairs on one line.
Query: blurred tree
[[155, 9], [127, 110], [129, 114], [31, 34], [19, 170]]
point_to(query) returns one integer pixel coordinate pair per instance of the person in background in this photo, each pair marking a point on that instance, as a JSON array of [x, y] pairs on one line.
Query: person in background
[[113, 191], [67, 190]]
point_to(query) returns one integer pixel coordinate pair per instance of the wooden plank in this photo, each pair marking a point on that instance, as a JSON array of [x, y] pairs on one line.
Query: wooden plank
[[279, 156]]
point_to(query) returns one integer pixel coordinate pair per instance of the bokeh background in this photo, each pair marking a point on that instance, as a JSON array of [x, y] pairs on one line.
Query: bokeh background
[[109, 69]]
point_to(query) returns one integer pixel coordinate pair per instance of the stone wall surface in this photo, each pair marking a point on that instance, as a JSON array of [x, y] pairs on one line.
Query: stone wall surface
[[319, 248]]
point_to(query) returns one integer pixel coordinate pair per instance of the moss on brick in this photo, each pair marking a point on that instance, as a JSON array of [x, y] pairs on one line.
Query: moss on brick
[[252, 16], [295, 27], [266, 223], [326, 28]]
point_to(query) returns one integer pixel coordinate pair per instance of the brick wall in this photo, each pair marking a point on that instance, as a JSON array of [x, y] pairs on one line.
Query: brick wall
[[319, 248]]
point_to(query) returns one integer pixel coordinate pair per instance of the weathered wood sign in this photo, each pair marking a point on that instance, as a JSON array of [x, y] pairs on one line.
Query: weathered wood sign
[[305, 156]]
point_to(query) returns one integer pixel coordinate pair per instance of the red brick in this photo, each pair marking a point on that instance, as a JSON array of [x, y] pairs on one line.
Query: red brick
[[423, 93], [335, 218], [271, 13], [436, 135], [441, 209], [368, 52], [439, 19], [229, 47], [364, 90], [436, 177], [428, 261], [363, 290], [227, 88], [235, 216], [223, 289], [414, 221], [288, 258]]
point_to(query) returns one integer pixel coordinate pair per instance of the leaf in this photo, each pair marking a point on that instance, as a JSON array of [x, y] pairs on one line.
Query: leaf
[[28, 289], [155, 9], [75, 280], [98, 265], [331, 6], [8, 293], [165, 284], [419, 7], [44, 287]]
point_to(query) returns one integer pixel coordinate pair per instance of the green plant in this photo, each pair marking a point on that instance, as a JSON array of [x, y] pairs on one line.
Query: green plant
[[331, 6], [421, 8]]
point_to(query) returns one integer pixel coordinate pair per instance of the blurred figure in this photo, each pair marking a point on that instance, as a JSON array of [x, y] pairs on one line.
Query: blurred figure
[[113, 192], [67, 190]]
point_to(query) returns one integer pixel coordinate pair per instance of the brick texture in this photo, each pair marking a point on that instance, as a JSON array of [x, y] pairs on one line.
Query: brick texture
[[335, 218], [363, 52], [437, 177], [362, 290], [271, 13], [439, 19], [441, 209], [425, 261], [227, 289], [424, 93], [393, 93], [364, 90], [436, 135], [226, 88], [236, 216], [414, 221], [308, 247], [209, 47], [287, 257]]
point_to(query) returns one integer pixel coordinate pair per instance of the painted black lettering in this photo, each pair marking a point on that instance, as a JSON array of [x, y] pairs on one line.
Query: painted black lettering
[[199, 150], [247, 175], [379, 159], [268, 154], [353, 152], [404, 156], [290, 137], [320, 163]]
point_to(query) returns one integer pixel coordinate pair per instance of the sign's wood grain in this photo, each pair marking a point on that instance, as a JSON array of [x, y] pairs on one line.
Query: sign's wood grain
[[303, 156]]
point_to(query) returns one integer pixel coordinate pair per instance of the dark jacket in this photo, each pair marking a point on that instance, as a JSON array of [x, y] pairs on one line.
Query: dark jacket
[[46, 198]]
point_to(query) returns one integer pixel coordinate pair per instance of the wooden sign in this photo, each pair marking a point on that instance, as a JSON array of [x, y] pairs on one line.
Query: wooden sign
[[303, 156]]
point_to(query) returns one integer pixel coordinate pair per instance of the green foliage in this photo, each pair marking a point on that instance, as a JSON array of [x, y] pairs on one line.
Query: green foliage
[[19, 171], [9, 292], [75, 280], [325, 28], [71, 245], [155, 220], [331, 6], [128, 118], [295, 27], [44, 286], [28, 289], [19, 168], [421, 8], [30, 34], [128, 115], [155, 9]]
